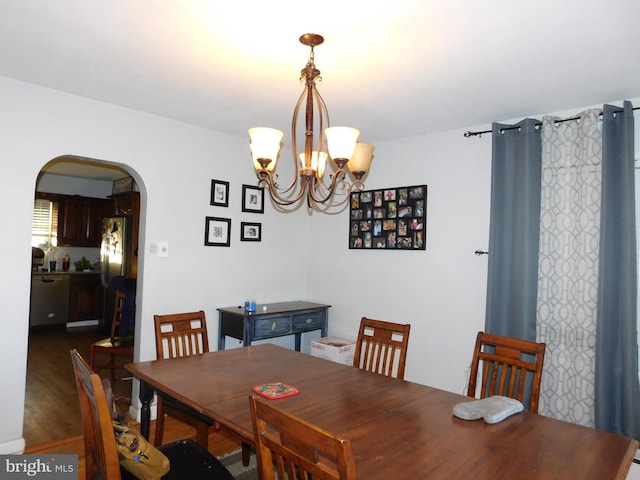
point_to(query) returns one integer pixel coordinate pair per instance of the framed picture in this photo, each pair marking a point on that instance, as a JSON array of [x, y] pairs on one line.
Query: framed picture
[[217, 232], [252, 199], [219, 193], [122, 185], [389, 219], [250, 232]]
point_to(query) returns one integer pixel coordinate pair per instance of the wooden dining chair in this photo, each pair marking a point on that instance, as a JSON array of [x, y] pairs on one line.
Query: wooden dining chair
[[288, 447], [509, 366], [381, 347], [187, 459], [183, 335], [116, 345]]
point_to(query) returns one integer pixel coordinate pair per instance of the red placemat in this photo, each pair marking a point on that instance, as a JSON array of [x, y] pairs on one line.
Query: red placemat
[[275, 390]]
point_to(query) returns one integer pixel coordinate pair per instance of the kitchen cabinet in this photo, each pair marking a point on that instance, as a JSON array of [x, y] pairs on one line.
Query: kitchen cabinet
[[62, 297], [80, 220], [85, 297]]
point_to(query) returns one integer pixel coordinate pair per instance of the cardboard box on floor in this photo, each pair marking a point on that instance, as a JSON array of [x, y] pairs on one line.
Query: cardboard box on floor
[[335, 349]]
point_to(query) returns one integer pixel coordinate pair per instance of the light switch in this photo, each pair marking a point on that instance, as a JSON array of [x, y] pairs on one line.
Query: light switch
[[163, 249]]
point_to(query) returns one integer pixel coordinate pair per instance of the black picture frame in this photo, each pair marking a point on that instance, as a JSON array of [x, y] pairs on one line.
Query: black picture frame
[[217, 232], [252, 199], [388, 219], [219, 193], [250, 232]]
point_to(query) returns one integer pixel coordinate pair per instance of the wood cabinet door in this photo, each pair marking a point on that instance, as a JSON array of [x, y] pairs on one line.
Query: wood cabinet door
[[69, 221], [93, 211], [85, 297], [80, 220]]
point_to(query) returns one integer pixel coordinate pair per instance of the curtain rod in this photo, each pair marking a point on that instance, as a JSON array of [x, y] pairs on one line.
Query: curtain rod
[[469, 133]]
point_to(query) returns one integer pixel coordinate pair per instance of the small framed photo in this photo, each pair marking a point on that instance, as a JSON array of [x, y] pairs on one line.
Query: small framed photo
[[252, 199], [217, 232], [250, 232], [219, 193]]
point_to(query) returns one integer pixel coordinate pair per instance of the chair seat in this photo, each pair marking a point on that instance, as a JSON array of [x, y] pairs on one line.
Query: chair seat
[[189, 460], [118, 342]]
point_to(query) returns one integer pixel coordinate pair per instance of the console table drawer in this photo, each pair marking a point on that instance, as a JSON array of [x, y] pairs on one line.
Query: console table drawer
[[272, 320], [271, 327], [308, 321]]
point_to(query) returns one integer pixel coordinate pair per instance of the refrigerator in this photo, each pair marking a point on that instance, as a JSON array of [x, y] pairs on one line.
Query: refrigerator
[[116, 256]]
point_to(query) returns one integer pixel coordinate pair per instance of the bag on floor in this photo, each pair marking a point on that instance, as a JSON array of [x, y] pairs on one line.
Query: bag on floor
[[137, 456]]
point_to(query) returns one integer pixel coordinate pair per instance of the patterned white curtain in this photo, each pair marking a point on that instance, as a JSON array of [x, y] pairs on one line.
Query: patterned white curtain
[[568, 264]]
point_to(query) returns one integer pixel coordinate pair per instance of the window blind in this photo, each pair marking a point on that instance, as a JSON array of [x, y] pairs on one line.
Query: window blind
[[44, 223]]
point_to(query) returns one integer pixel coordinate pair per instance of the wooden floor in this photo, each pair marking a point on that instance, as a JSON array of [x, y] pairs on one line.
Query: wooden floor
[[52, 422], [52, 411]]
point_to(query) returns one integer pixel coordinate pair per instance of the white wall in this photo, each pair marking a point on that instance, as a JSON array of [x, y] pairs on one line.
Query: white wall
[[173, 163], [440, 291]]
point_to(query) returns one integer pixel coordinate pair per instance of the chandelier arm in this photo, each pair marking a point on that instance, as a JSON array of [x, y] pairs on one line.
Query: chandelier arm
[[294, 133], [266, 179], [323, 116], [331, 189]]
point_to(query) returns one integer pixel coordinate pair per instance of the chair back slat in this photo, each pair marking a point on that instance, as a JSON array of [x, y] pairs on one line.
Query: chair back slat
[[117, 315], [507, 366], [381, 347], [101, 454], [288, 447], [181, 334]]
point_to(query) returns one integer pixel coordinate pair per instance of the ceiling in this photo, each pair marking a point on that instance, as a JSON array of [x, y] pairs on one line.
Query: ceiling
[[391, 69]]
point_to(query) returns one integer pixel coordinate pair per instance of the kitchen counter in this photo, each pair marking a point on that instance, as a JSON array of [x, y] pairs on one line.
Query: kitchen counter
[[64, 297], [66, 273]]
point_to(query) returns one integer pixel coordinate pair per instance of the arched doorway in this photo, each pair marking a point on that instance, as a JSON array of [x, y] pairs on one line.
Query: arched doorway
[[96, 190]]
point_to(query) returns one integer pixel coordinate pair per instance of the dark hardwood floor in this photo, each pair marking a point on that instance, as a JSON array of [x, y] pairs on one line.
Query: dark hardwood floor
[[52, 422], [52, 410]]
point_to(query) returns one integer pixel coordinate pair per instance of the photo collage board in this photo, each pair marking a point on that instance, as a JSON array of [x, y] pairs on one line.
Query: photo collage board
[[388, 219]]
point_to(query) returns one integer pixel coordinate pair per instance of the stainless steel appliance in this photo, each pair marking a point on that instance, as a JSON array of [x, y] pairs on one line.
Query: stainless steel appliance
[[37, 258], [49, 299], [116, 255]]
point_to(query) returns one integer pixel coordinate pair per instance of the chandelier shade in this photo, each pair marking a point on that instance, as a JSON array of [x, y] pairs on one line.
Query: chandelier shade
[[341, 142], [318, 142], [265, 144], [318, 163], [361, 159]]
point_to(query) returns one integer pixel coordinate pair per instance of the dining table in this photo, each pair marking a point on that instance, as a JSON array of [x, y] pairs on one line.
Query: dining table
[[398, 429]]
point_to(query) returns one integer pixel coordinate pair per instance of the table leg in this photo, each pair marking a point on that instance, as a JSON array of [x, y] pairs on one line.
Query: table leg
[[220, 333], [146, 395]]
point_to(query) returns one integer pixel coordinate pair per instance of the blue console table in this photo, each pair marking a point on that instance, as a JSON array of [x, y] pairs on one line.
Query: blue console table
[[272, 320]]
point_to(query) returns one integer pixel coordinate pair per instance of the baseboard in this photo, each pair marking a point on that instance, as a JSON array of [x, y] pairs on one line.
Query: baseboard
[[134, 412], [83, 323], [13, 447]]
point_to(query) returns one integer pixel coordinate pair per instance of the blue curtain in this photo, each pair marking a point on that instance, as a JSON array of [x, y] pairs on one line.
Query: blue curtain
[[617, 393], [514, 230]]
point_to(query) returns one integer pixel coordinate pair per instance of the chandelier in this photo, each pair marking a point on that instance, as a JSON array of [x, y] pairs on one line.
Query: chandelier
[[338, 143]]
